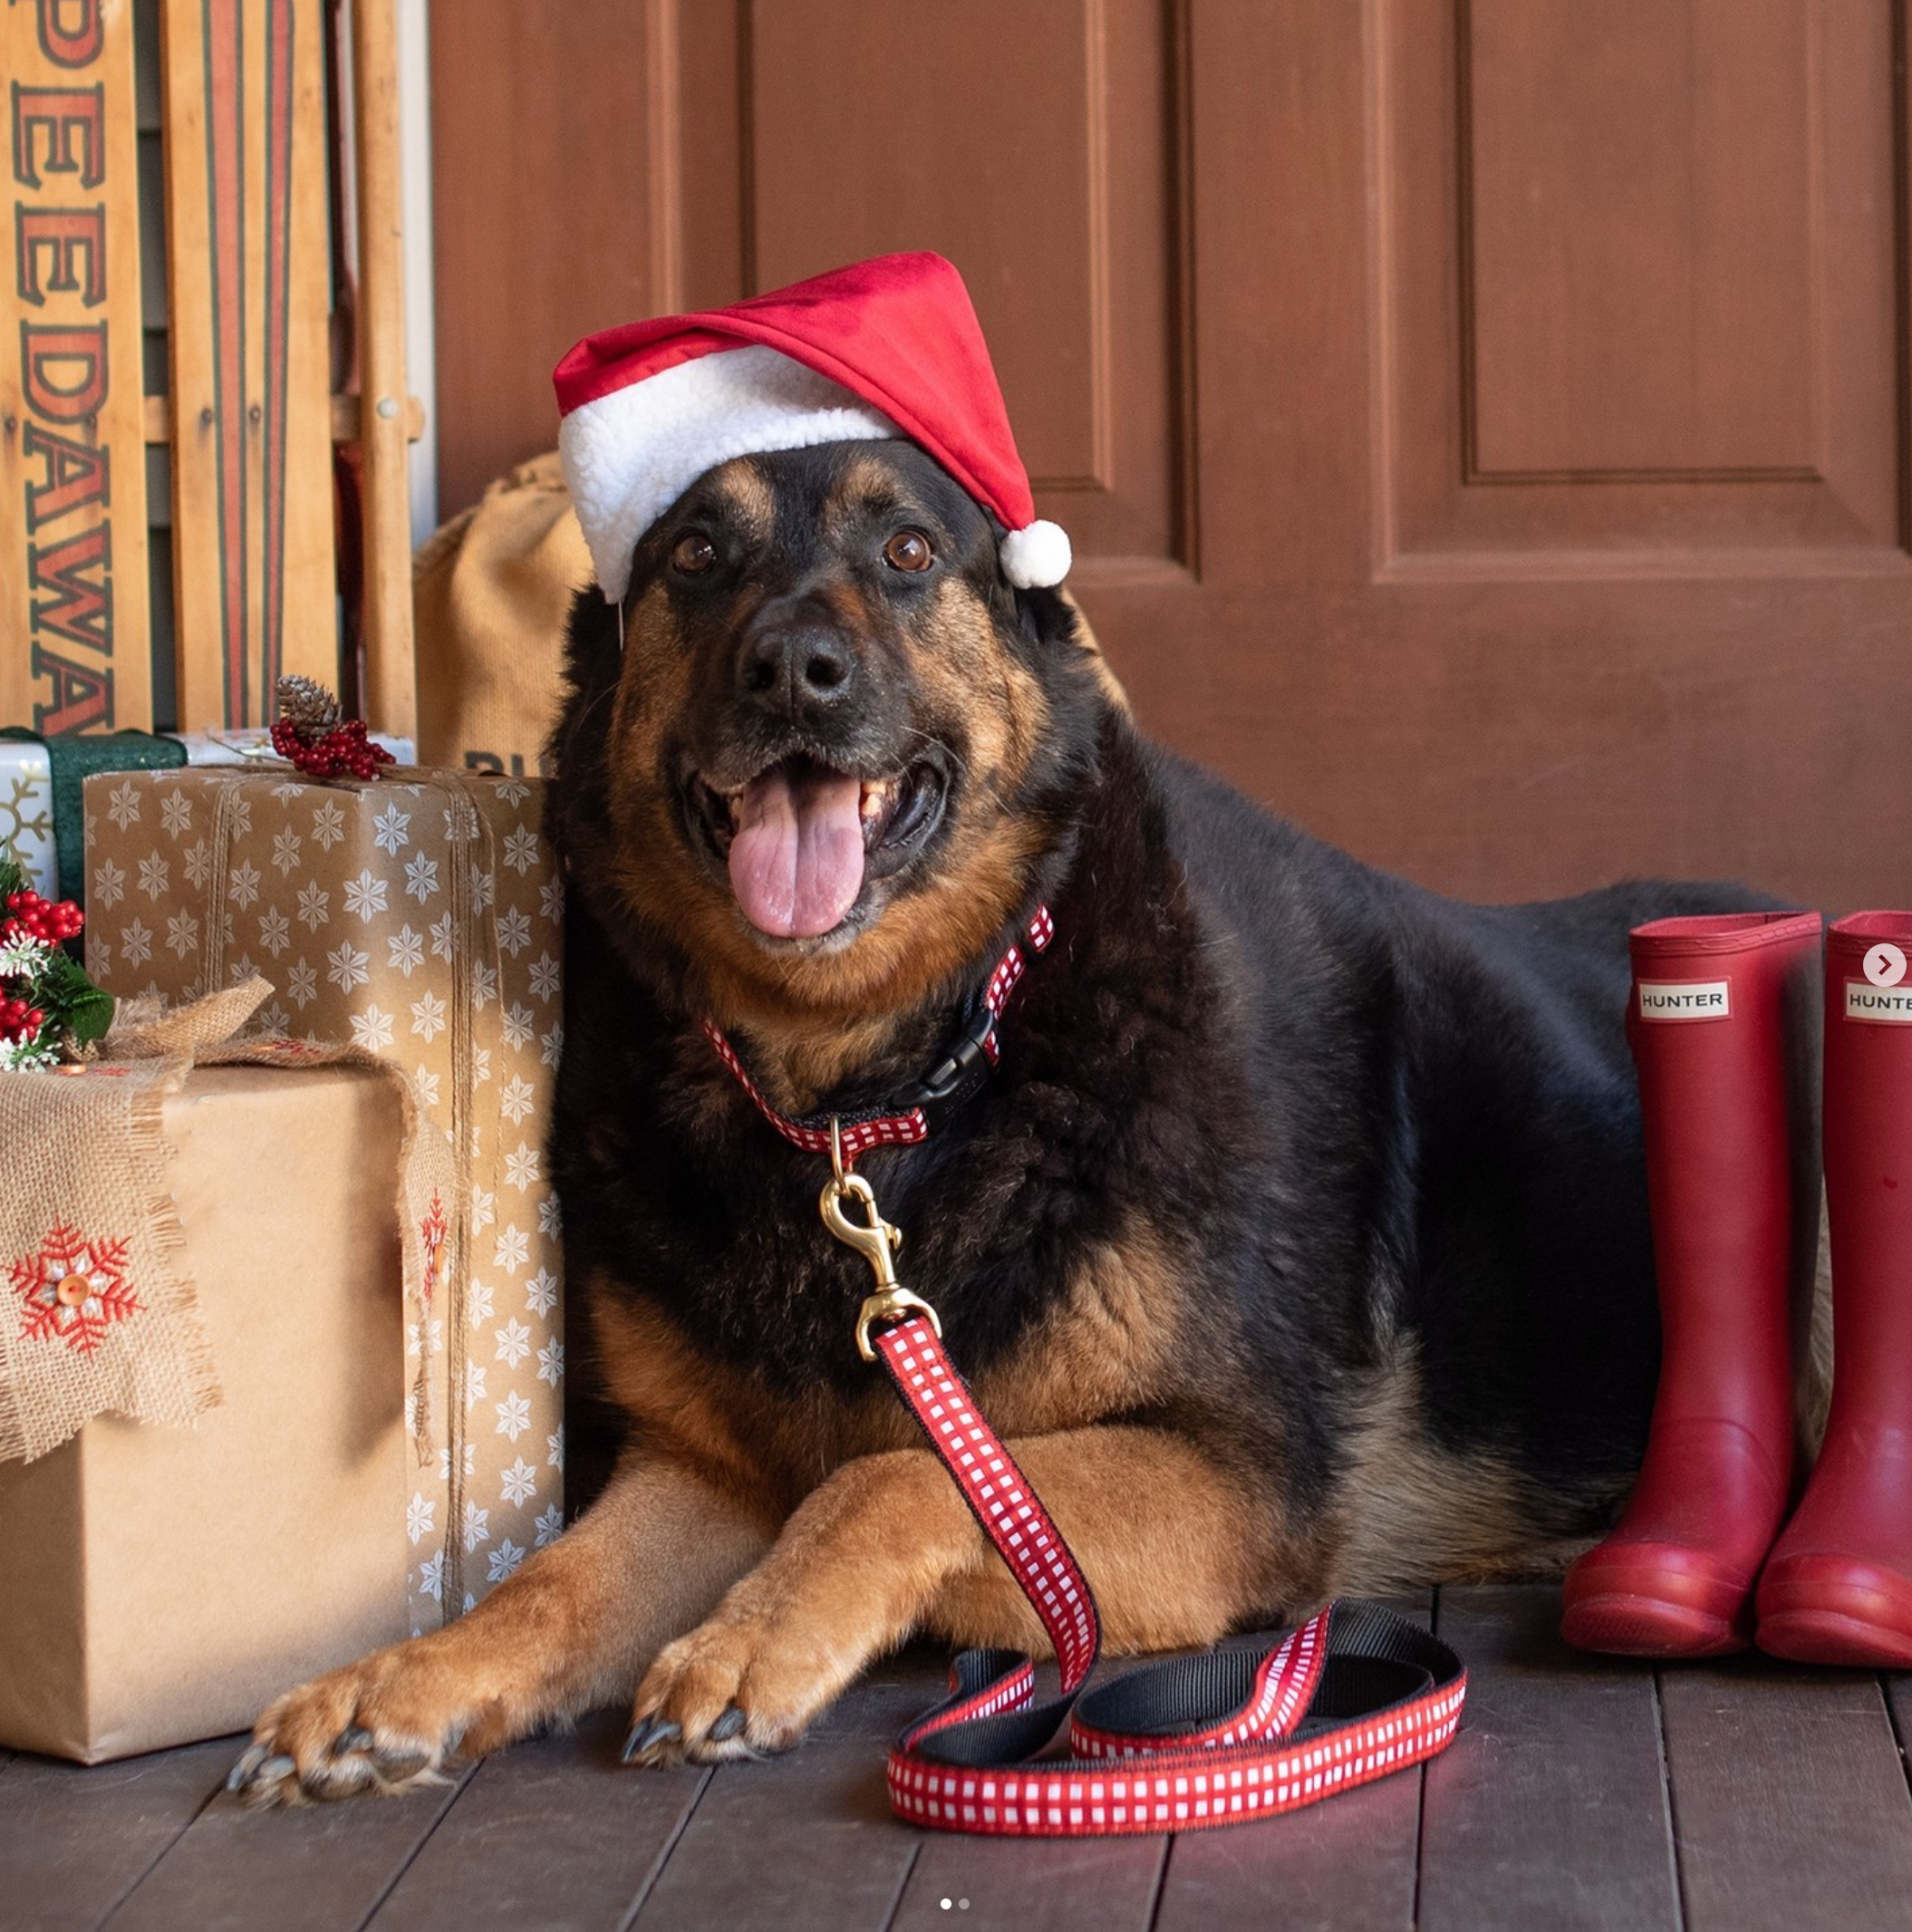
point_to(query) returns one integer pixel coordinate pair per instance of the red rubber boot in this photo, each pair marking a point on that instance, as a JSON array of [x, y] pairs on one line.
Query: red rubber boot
[[1721, 1015], [1838, 1587]]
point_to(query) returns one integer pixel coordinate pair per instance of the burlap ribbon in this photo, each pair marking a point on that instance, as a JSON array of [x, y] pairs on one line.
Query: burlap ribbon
[[97, 1313]]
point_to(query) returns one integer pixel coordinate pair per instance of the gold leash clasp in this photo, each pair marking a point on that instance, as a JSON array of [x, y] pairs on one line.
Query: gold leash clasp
[[876, 1240]]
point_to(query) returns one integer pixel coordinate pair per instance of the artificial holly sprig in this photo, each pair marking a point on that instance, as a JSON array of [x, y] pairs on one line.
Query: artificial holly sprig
[[49, 1008]]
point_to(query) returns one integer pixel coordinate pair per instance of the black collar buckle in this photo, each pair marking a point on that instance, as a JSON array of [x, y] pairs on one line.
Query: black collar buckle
[[966, 1065]]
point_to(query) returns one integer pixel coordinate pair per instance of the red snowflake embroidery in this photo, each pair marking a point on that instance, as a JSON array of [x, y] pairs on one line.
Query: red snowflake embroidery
[[431, 1231], [284, 1049], [74, 1290]]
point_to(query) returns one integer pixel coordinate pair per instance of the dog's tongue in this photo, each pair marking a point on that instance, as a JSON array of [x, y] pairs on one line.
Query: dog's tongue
[[797, 857]]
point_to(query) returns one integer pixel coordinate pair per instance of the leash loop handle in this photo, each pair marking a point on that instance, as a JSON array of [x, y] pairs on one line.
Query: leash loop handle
[[1352, 1694]]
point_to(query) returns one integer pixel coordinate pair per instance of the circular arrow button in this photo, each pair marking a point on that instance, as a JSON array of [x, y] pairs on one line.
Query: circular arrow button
[[1886, 964]]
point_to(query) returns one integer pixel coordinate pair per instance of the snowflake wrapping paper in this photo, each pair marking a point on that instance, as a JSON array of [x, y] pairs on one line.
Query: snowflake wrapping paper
[[418, 917], [26, 790]]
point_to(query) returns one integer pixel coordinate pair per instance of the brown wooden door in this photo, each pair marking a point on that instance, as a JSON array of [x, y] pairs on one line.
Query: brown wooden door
[[1483, 423]]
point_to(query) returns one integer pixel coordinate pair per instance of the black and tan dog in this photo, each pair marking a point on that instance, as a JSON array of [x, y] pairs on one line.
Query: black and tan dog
[[1297, 1245]]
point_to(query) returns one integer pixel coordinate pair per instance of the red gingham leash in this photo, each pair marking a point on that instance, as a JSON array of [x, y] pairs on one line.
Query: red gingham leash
[[964, 1066], [1350, 1695]]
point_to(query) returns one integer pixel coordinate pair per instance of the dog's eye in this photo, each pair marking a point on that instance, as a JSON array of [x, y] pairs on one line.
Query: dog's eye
[[693, 553], [908, 550]]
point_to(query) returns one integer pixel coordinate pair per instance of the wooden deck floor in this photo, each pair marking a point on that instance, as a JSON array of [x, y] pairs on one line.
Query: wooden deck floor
[[1579, 1794]]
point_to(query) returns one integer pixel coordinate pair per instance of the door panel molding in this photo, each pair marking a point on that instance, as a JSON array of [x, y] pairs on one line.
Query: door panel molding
[[1641, 352]]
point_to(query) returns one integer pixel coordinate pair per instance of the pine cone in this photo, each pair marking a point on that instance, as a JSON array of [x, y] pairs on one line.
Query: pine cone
[[307, 706]]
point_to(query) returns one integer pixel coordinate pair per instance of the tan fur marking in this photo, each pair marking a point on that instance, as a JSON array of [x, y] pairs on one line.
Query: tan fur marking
[[687, 1406], [865, 482], [748, 496], [1413, 1513], [1105, 1347], [1092, 648], [1178, 1553]]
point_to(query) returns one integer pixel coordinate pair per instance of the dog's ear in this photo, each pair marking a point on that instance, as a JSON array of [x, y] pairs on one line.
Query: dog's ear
[[1059, 633], [592, 634], [593, 653]]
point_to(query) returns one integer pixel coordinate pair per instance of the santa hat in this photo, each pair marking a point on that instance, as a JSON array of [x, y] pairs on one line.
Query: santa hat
[[889, 347]]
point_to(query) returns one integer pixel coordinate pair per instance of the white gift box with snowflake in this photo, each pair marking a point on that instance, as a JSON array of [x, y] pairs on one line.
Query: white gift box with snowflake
[[418, 917], [26, 814]]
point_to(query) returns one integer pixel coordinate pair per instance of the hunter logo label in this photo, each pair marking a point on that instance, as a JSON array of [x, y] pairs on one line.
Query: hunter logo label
[[1891, 1005], [72, 457], [1685, 1000]]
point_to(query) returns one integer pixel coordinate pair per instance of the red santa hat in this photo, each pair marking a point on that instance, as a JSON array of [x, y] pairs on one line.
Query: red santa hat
[[889, 347]]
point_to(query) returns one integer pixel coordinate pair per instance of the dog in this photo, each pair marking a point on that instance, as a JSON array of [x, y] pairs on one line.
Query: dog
[[1296, 1244]]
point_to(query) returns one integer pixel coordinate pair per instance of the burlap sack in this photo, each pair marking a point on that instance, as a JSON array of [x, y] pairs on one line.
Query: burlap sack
[[491, 592]]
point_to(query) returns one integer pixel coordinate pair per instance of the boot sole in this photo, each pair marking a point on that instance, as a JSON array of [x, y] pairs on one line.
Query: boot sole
[[1820, 1609], [1830, 1637], [1623, 1623]]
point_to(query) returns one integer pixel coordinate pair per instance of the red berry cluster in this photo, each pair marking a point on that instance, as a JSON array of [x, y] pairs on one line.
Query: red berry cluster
[[19, 1020], [344, 750], [29, 916], [37, 918]]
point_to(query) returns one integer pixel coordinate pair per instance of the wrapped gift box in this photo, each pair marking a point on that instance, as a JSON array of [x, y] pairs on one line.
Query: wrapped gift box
[[163, 1584], [27, 818], [418, 917]]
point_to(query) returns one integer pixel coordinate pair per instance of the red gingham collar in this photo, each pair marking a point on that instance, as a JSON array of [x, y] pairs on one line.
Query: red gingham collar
[[958, 1072]]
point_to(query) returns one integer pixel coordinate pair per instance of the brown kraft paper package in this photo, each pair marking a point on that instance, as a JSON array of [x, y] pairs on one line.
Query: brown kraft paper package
[[163, 1584]]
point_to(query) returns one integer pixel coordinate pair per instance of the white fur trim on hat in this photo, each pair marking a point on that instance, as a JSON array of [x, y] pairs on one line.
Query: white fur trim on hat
[[1037, 555], [630, 454]]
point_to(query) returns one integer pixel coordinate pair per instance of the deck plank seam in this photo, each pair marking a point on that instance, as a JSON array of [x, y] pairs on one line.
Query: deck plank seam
[[1164, 1850], [647, 1883], [464, 1783], [1898, 1735], [1669, 1802], [902, 1885], [1413, 1903], [160, 1855]]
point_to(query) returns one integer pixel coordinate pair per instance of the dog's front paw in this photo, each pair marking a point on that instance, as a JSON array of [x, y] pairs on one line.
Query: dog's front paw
[[734, 1687], [384, 1724]]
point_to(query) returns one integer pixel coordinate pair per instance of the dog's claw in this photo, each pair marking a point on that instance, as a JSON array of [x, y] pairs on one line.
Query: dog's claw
[[647, 1736], [272, 1770], [354, 1737], [727, 1726], [249, 1761], [396, 1766]]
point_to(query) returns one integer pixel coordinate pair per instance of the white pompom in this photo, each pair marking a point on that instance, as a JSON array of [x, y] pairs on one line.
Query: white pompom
[[1036, 556]]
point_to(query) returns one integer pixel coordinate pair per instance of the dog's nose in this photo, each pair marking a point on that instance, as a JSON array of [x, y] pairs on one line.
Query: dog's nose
[[797, 667]]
